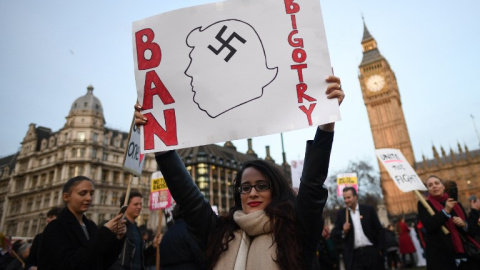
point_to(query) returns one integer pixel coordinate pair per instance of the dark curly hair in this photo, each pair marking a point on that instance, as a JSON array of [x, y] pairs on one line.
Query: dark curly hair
[[280, 212]]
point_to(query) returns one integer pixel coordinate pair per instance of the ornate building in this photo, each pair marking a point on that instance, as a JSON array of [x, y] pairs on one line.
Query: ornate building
[[389, 130], [31, 180]]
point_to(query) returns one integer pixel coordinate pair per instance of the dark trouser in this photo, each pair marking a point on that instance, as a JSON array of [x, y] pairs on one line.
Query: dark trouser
[[367, 258]]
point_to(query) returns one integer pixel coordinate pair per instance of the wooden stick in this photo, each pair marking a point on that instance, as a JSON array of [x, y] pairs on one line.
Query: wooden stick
[[429, 208], [159, 231], [18, 258], [127, 194]]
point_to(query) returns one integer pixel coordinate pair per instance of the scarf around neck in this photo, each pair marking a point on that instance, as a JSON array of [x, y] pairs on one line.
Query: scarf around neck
[[253, 243]]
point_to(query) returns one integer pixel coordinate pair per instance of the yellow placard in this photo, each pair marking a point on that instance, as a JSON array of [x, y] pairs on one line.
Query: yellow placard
[[158, 184]]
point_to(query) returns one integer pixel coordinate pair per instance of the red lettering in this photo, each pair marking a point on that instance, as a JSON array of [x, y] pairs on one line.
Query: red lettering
[[299, 69], [308, 112], [158, 89], [295, 42], [299, 55], [147, 45], [153, 128], [291, 7], [294, 21], [301, 88]]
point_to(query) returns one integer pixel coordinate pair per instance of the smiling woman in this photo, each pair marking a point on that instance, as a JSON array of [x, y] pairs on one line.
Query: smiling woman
[[74, 242]]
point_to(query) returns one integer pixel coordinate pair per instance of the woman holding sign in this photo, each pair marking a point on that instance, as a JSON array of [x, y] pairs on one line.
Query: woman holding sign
[[74, 242], [268, 227], [445, 251]]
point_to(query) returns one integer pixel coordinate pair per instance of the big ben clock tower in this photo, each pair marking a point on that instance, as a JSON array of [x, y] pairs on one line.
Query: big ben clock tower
[[387, 122]]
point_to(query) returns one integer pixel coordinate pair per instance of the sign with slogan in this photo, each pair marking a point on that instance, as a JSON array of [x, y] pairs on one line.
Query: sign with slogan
[[296, 171], [400, 170], [346, 180], [160, 197], [133, 159], [231, 70]]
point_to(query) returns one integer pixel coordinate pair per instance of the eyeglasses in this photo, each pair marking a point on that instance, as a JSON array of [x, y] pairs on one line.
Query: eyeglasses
[[259, 187]]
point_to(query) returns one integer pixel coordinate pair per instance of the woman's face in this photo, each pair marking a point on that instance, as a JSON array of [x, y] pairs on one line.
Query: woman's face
[[435, 186], [255, 200], [80, 197]]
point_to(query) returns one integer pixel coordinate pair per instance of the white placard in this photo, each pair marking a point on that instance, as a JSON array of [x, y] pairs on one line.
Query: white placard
[[346, 180], [400, 170], [133, 159], [231, 70], [296, 170]]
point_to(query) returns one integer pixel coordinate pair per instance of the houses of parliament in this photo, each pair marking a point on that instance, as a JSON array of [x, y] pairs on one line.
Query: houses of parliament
[[31, 180]]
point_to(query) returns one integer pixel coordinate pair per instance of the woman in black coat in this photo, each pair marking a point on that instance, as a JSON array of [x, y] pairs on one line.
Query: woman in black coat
[[445, 251], [74, 242]]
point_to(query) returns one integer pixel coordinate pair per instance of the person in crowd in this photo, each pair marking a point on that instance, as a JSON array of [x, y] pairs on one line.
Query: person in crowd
[[420, 252], [405, 243], [474, 216], [20, 258], [9, 256], [178, 249], [362, 234], [326, 252], [268, 227], [148, 237], [132, 256], [72, 241], [444, 250], [391, 248], [32, 260]]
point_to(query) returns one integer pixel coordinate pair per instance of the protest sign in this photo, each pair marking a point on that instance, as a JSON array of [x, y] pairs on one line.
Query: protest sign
[[346, 180], [296, 171], [231, 70], [400, 170], [160, 197], [133, 159]]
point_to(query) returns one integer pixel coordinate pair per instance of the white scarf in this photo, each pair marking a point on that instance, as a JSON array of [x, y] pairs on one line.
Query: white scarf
[[252, 246]]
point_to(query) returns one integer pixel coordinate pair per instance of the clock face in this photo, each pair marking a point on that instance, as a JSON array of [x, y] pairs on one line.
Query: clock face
[[375, 83]]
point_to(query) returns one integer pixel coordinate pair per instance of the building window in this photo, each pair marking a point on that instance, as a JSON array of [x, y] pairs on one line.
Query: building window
[[20, 185], [105, 157], [104, 175], [26, 224], [94, 153], [29, 204], [46, 200], [95, 136], [38, 201]]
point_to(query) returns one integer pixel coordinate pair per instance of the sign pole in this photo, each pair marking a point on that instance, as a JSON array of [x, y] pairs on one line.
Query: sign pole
[[159, 231], [429, 208]]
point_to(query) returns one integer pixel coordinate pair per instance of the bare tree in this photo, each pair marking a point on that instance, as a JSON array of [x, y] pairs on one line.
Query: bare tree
[[369, 189]]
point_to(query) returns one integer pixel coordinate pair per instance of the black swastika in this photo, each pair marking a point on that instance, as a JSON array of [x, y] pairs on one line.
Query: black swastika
[[226, 43]]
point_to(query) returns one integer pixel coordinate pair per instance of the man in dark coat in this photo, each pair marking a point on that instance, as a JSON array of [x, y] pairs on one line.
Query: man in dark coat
[[33, 257], [132, 256], [362, 234]]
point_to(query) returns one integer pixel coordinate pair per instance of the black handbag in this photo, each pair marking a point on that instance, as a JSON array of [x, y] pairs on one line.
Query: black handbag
[[470, 248]]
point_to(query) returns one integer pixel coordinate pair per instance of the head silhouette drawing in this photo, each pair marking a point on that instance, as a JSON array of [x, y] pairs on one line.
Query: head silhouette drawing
[[228, 66]]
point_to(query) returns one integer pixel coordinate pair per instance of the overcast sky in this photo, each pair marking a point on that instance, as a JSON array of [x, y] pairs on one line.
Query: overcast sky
[[50, 51]]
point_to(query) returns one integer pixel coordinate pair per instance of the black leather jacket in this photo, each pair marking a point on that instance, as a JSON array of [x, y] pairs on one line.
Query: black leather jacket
[[309, 203]]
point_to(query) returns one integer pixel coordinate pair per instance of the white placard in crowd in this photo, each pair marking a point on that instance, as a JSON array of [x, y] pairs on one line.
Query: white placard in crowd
[[133, 159], [296, 167], [400, 170], [231, 70]]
